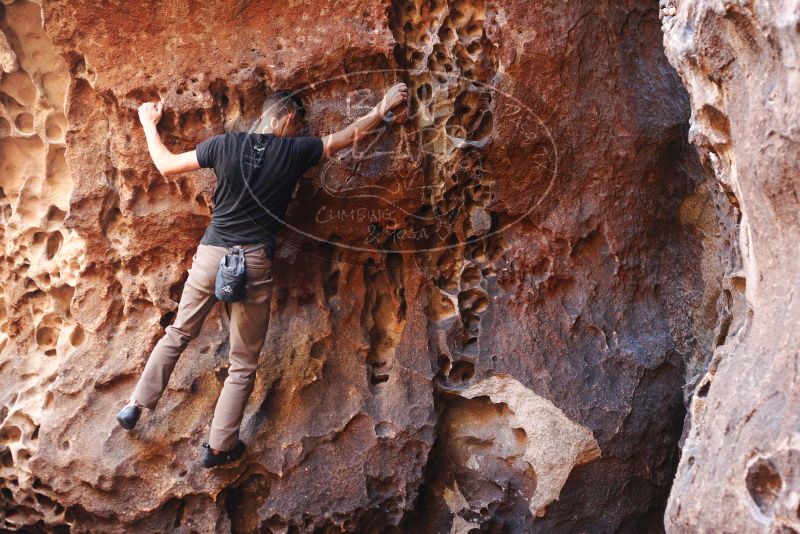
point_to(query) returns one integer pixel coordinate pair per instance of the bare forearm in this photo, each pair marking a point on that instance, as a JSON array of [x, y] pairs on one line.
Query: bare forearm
[[166, 162], [158, 150], [361, 127]]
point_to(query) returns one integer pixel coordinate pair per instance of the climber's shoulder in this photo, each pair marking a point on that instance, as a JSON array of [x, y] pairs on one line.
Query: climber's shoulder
[[307, 149]]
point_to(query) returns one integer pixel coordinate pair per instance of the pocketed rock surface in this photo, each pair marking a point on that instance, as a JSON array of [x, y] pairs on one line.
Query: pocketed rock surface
[[490, 314], [739, 467]]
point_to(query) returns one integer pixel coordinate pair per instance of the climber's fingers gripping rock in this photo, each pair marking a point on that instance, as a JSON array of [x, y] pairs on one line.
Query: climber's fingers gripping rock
[[149, 112], [396, 94]]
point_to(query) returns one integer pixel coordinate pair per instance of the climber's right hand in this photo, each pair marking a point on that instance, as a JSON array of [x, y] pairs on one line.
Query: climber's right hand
[[150, 113], [396, 94]]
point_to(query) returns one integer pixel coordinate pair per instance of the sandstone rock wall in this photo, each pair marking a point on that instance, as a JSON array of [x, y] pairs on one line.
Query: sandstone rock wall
[[482, 318], [740, 62]]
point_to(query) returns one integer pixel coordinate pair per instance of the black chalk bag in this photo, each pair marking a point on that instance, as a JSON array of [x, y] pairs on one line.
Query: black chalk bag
[[231, 283]]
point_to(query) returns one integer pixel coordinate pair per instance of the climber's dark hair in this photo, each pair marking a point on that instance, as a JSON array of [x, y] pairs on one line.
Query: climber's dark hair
[[282, 102]]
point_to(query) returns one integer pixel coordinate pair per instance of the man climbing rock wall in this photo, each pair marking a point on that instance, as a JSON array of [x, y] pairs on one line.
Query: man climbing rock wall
[[489, 325]]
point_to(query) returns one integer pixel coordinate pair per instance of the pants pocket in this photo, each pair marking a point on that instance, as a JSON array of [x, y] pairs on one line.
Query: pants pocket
[[259, 273]]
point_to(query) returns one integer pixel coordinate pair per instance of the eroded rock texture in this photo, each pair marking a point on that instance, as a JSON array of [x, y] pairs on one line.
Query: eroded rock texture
[[740, 62], [483, 316]]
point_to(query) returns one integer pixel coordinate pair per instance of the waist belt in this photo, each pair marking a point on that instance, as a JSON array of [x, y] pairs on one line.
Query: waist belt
[[269, 244]]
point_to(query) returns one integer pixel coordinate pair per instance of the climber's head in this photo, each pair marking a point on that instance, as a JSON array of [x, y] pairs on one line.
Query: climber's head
[[282, 114]]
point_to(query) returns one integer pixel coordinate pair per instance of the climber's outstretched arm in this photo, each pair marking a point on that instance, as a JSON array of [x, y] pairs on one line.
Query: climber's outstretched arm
[[334, 142], [166, 162]]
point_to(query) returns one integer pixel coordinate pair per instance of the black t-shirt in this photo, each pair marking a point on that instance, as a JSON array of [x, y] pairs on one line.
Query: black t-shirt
[[238, 217]]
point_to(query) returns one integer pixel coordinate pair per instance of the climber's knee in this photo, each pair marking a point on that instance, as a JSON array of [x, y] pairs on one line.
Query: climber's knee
[[179, 337]]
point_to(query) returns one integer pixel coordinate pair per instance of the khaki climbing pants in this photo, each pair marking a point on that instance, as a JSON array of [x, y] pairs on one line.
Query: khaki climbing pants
[[249, 319]]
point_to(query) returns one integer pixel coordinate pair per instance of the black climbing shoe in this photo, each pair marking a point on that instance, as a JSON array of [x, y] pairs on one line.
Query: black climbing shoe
[[129, 415], [225, 457]]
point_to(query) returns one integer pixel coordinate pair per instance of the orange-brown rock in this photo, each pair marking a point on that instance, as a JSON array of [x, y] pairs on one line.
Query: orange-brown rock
[[483, 317]]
